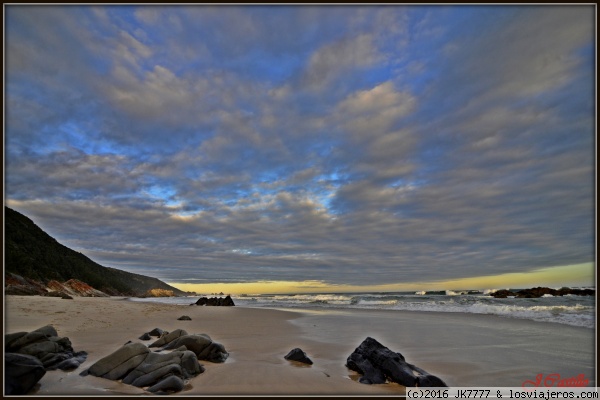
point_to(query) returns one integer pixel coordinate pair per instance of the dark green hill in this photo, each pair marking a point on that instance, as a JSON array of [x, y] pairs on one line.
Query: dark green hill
[[32, 253]]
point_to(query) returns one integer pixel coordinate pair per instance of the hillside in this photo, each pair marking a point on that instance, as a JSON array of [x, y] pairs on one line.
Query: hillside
[[32, 253]]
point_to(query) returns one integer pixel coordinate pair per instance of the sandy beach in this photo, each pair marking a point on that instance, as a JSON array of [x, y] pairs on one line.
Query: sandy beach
[[463, 350]]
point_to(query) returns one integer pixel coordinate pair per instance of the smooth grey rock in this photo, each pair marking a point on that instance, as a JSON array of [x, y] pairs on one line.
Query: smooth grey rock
[[169, 338], [47, 330], [170, 384], [156, 376], [145, 336], [27, 339], [133, 351], [202, 345], [9, 338]]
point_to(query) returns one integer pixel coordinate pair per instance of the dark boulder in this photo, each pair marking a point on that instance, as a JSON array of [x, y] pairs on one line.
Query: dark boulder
[[503, 294], [184, 318], [145, 336], [21, 373], [379, 364], [298, 355], [215, 301]]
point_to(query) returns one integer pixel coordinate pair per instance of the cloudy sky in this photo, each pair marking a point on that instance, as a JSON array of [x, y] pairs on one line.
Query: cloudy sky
[[340, 145]]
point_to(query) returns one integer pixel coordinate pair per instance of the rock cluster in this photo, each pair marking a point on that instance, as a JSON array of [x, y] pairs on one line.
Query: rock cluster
[[28, 355], [74, 287], [136, 365], [215, 301], [17, 285], [540, 291], [378, 364], [158, 372]]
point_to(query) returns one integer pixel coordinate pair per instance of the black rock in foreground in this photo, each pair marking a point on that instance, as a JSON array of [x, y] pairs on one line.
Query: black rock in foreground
[[30, 354], [378, 364], [21, 373]]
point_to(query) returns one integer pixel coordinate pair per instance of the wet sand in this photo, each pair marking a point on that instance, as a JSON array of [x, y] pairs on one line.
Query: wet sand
[[462, 349]]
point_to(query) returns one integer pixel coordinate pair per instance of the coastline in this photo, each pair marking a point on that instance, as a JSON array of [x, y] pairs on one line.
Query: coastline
[[462, 349]]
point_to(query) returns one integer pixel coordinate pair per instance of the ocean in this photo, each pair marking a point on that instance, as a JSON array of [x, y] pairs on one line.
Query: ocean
[[570, 309]]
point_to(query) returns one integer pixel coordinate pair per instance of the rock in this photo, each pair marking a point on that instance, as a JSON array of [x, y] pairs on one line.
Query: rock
[[52, 351], [121, 361], [136, 365], [21, 373], [379, 364], [74, 287], [169, 337], [156, 332], [541, 291], [170, 384], [145, 336], [184, 318], [371, 375], [156, 366], [214, 301], [17, 285], [503, 294], [298, 355], [202, 345], [159, 293], [57, 294]]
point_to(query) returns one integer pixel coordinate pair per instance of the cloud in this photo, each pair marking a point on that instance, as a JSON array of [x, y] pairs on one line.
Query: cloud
[[329, 62], [355, 145]]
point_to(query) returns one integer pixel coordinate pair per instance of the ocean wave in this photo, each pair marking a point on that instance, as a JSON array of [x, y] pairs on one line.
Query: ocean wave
[[570, 310]]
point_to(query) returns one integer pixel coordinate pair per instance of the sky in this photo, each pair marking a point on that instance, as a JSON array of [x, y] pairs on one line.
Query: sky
[[308, 148]]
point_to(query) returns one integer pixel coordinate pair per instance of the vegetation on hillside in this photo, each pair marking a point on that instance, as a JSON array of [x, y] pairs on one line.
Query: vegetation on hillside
[[32, 253]]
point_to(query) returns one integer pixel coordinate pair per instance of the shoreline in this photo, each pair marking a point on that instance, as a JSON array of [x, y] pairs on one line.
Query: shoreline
[[462, 349]]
